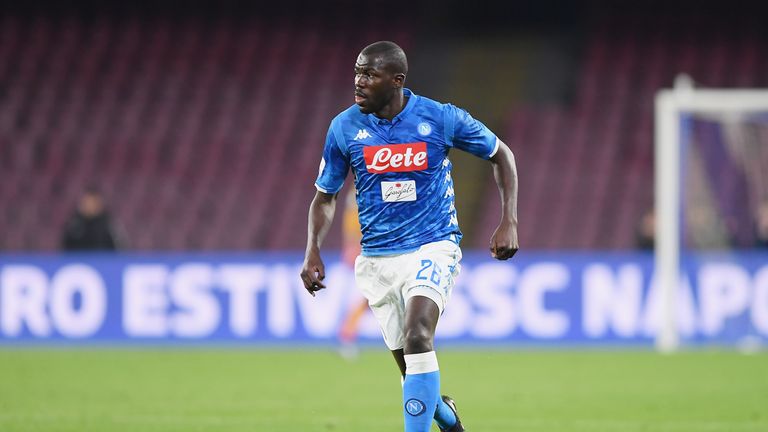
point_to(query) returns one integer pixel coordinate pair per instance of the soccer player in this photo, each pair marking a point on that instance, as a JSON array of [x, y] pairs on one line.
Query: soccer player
[[396, 144]]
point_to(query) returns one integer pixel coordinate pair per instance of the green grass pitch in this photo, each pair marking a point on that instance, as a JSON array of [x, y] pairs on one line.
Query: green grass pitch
[[310, 390]]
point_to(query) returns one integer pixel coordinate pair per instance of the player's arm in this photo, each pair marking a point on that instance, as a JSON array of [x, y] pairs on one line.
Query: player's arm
[[321, 213], [474, 137], [334, 167], [504, 242]]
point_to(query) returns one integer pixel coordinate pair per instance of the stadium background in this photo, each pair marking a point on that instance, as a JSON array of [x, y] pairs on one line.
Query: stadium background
[[202, 124]]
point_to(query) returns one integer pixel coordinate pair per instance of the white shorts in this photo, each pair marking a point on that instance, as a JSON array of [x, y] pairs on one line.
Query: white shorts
[[389, 281]]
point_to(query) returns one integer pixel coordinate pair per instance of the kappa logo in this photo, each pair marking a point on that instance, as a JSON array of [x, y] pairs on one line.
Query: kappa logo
[[362, 134]]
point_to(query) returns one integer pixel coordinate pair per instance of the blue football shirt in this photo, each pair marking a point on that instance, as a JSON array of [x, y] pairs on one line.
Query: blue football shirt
[[401, 170]]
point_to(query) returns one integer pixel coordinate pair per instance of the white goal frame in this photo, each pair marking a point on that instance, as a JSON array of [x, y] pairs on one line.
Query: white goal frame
[[670, 104]]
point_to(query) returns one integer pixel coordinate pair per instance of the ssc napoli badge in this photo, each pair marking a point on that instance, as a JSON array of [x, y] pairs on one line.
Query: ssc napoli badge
[[424, 129], [415, 407]]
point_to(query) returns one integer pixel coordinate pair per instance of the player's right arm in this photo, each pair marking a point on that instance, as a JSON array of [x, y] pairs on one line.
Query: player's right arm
[[321, 213], [334, 167]]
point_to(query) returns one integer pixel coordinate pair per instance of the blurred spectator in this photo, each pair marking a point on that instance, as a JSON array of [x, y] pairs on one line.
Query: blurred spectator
[[646, 231], [350, 250], [761, 225], [706, 228], [90, 226]]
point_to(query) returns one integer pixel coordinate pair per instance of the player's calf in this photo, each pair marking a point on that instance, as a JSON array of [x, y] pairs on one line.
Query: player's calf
[[421, 391]]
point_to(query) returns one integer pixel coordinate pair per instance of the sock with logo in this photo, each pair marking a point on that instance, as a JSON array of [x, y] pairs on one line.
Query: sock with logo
[[421, 391], [444, 415]]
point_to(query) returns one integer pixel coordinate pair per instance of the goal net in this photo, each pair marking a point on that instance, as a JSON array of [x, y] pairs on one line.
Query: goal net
[[711, 201]]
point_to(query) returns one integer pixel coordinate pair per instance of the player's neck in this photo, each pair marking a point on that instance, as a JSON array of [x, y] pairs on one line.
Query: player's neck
[[394, 107]]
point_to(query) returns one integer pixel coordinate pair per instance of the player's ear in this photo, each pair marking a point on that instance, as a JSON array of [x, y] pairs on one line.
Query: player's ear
[[399, 80]]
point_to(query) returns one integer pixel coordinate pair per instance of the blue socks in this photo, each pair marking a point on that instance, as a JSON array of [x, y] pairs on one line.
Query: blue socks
[[421, 394], [444, 415]]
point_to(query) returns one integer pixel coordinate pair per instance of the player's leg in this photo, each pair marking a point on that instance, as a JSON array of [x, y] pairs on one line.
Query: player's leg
[[438, 265], [376, 277], [445, 415], [421, 315], [421, 388], [399, 356]]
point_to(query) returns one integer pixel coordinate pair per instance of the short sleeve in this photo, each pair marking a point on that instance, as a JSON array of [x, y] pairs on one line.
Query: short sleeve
[[333, 166], [470, 135]]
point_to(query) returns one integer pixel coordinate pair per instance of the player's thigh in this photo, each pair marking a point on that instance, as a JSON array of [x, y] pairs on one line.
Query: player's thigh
[[433, 271], [379, 281]]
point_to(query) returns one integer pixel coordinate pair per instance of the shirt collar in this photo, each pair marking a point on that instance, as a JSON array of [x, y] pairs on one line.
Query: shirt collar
[[399, 117]]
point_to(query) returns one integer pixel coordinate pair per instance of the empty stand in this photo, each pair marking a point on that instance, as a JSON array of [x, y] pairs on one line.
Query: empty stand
[[206, 133], [587, 168], [203, 134]]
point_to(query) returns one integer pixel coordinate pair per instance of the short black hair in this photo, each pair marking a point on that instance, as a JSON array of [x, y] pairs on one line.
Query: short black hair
[[391, 54], [92, 189]]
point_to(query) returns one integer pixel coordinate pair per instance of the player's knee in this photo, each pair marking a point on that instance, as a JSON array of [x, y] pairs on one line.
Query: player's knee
[[418, 340]]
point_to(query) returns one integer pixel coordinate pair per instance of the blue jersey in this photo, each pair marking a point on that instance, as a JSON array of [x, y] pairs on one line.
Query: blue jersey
[[401, 170]]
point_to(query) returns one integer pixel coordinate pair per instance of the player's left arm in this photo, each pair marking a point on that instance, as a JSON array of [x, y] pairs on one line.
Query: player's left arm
[[504, 243], [470, 135]]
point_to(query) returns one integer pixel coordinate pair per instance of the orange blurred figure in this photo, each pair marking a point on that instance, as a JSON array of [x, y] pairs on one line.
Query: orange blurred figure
[[351, 237]]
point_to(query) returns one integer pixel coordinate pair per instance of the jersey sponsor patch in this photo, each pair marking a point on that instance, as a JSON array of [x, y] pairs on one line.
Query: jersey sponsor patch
[[398, 191], [396, 157]]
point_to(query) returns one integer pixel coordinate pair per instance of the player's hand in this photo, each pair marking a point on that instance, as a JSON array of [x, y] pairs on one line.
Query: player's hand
[[504, 243], [313, 272]]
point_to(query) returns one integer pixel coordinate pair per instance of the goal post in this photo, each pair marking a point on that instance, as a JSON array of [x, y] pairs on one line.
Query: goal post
[[671, 105]]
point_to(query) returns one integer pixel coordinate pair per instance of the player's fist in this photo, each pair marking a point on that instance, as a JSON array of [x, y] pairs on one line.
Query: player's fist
[[313, 272], [504, 244]]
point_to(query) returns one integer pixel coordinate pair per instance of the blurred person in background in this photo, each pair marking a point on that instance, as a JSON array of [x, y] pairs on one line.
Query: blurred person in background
[[645, 234], [705, 228], [761, 225], [90, 227], [350, 249], [396, 143]]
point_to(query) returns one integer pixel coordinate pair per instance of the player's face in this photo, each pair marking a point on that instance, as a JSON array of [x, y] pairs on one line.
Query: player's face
[[375, 86]]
